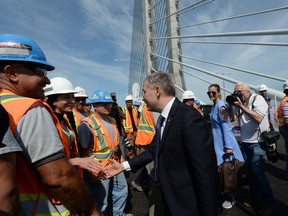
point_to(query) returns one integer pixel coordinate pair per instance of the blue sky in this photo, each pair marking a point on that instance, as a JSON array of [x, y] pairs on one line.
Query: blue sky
[[87, 41], [262, 59]]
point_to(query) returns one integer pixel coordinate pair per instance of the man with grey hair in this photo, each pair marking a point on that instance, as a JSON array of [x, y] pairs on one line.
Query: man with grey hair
[[252, 116], [185, 172]]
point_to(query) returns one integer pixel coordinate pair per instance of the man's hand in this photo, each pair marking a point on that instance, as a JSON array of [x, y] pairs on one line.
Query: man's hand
[[113, 169], [238, 103], [229, 151], [88, 163]]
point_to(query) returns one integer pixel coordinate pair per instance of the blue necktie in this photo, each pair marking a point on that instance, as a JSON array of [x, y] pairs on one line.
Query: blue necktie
[[158, 138]]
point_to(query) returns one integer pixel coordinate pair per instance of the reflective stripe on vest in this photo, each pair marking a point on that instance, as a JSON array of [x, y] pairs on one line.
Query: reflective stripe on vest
[[127, 123], [104, 147], [33, 195], [146, 128], [281, 118], [72, 149], [77, 118], [25, 207]]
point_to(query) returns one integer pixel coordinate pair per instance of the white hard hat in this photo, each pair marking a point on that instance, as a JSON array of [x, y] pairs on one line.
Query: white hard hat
[[188, 95], [262, 87], [129, 98], [80, 92], [285, 86], [59, 85]]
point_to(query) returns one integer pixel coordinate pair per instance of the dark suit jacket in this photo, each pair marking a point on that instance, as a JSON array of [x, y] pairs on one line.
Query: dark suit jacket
[[187, 163]]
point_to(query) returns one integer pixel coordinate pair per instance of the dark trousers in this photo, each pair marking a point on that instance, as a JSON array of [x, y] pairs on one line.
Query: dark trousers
[[157, 199]]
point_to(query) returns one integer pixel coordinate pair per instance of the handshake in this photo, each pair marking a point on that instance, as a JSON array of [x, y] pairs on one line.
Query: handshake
[[102, 169]]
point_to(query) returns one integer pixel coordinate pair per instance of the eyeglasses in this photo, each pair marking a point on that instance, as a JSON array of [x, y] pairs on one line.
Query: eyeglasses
[[211, 92], [34, 68]]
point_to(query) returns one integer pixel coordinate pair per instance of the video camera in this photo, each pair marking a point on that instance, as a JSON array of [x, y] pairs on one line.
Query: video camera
[[233, 97], [270, 138]]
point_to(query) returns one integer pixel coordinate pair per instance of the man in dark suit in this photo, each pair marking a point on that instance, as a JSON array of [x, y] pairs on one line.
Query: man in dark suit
[[185, 181]]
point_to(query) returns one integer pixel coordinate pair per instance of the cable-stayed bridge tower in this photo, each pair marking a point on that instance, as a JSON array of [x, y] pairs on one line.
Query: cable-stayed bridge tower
[[200, 41]]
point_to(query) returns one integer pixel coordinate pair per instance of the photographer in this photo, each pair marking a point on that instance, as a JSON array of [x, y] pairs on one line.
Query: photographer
[[118, 115], [252, 114]]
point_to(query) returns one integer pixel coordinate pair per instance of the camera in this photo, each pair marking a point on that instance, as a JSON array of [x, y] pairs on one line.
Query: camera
[[270, 138], [128, 144], [113, 96], [233, 97]]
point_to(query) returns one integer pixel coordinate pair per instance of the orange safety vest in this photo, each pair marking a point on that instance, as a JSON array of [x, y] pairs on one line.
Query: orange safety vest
[[77, 118], [32, 193], [146, 128], [73, 150], [127, 123], [280, 112], [70, 151], [104, 146]]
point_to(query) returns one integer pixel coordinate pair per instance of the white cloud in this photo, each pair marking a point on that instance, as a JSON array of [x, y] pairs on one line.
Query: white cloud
[[87, 41]]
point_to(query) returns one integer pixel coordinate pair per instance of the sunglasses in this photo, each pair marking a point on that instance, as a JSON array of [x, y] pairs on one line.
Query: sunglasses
[[34, 68], [211, 92]]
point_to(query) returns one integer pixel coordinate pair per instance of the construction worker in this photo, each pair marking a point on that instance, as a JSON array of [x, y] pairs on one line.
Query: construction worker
[[146, 128], [87, 107], [130, 123], [145, 134], [99, 136], [118, 114], [136, 105], [188, 98], [80, 102], [262, 89], [197, 106], [283, 121], [60, 94], [42, 169]]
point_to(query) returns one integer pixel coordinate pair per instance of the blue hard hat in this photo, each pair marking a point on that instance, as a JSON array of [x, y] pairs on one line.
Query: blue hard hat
[[88, 101], [136, 103], [101, 96], [19, 48], [197, 102]]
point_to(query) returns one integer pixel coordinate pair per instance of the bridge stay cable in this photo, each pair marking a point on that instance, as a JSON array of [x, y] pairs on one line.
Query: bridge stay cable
[[173, 42], [236, 17]]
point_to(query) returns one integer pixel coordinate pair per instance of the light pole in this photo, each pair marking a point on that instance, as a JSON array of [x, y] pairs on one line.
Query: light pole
[[223, 74]]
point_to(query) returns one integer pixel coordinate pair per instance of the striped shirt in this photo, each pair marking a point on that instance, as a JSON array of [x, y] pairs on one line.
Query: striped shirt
[[285, 110]]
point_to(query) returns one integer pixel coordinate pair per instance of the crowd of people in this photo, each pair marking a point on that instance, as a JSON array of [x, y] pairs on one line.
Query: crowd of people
[[254, 114], [65, 153], [56, 141]]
